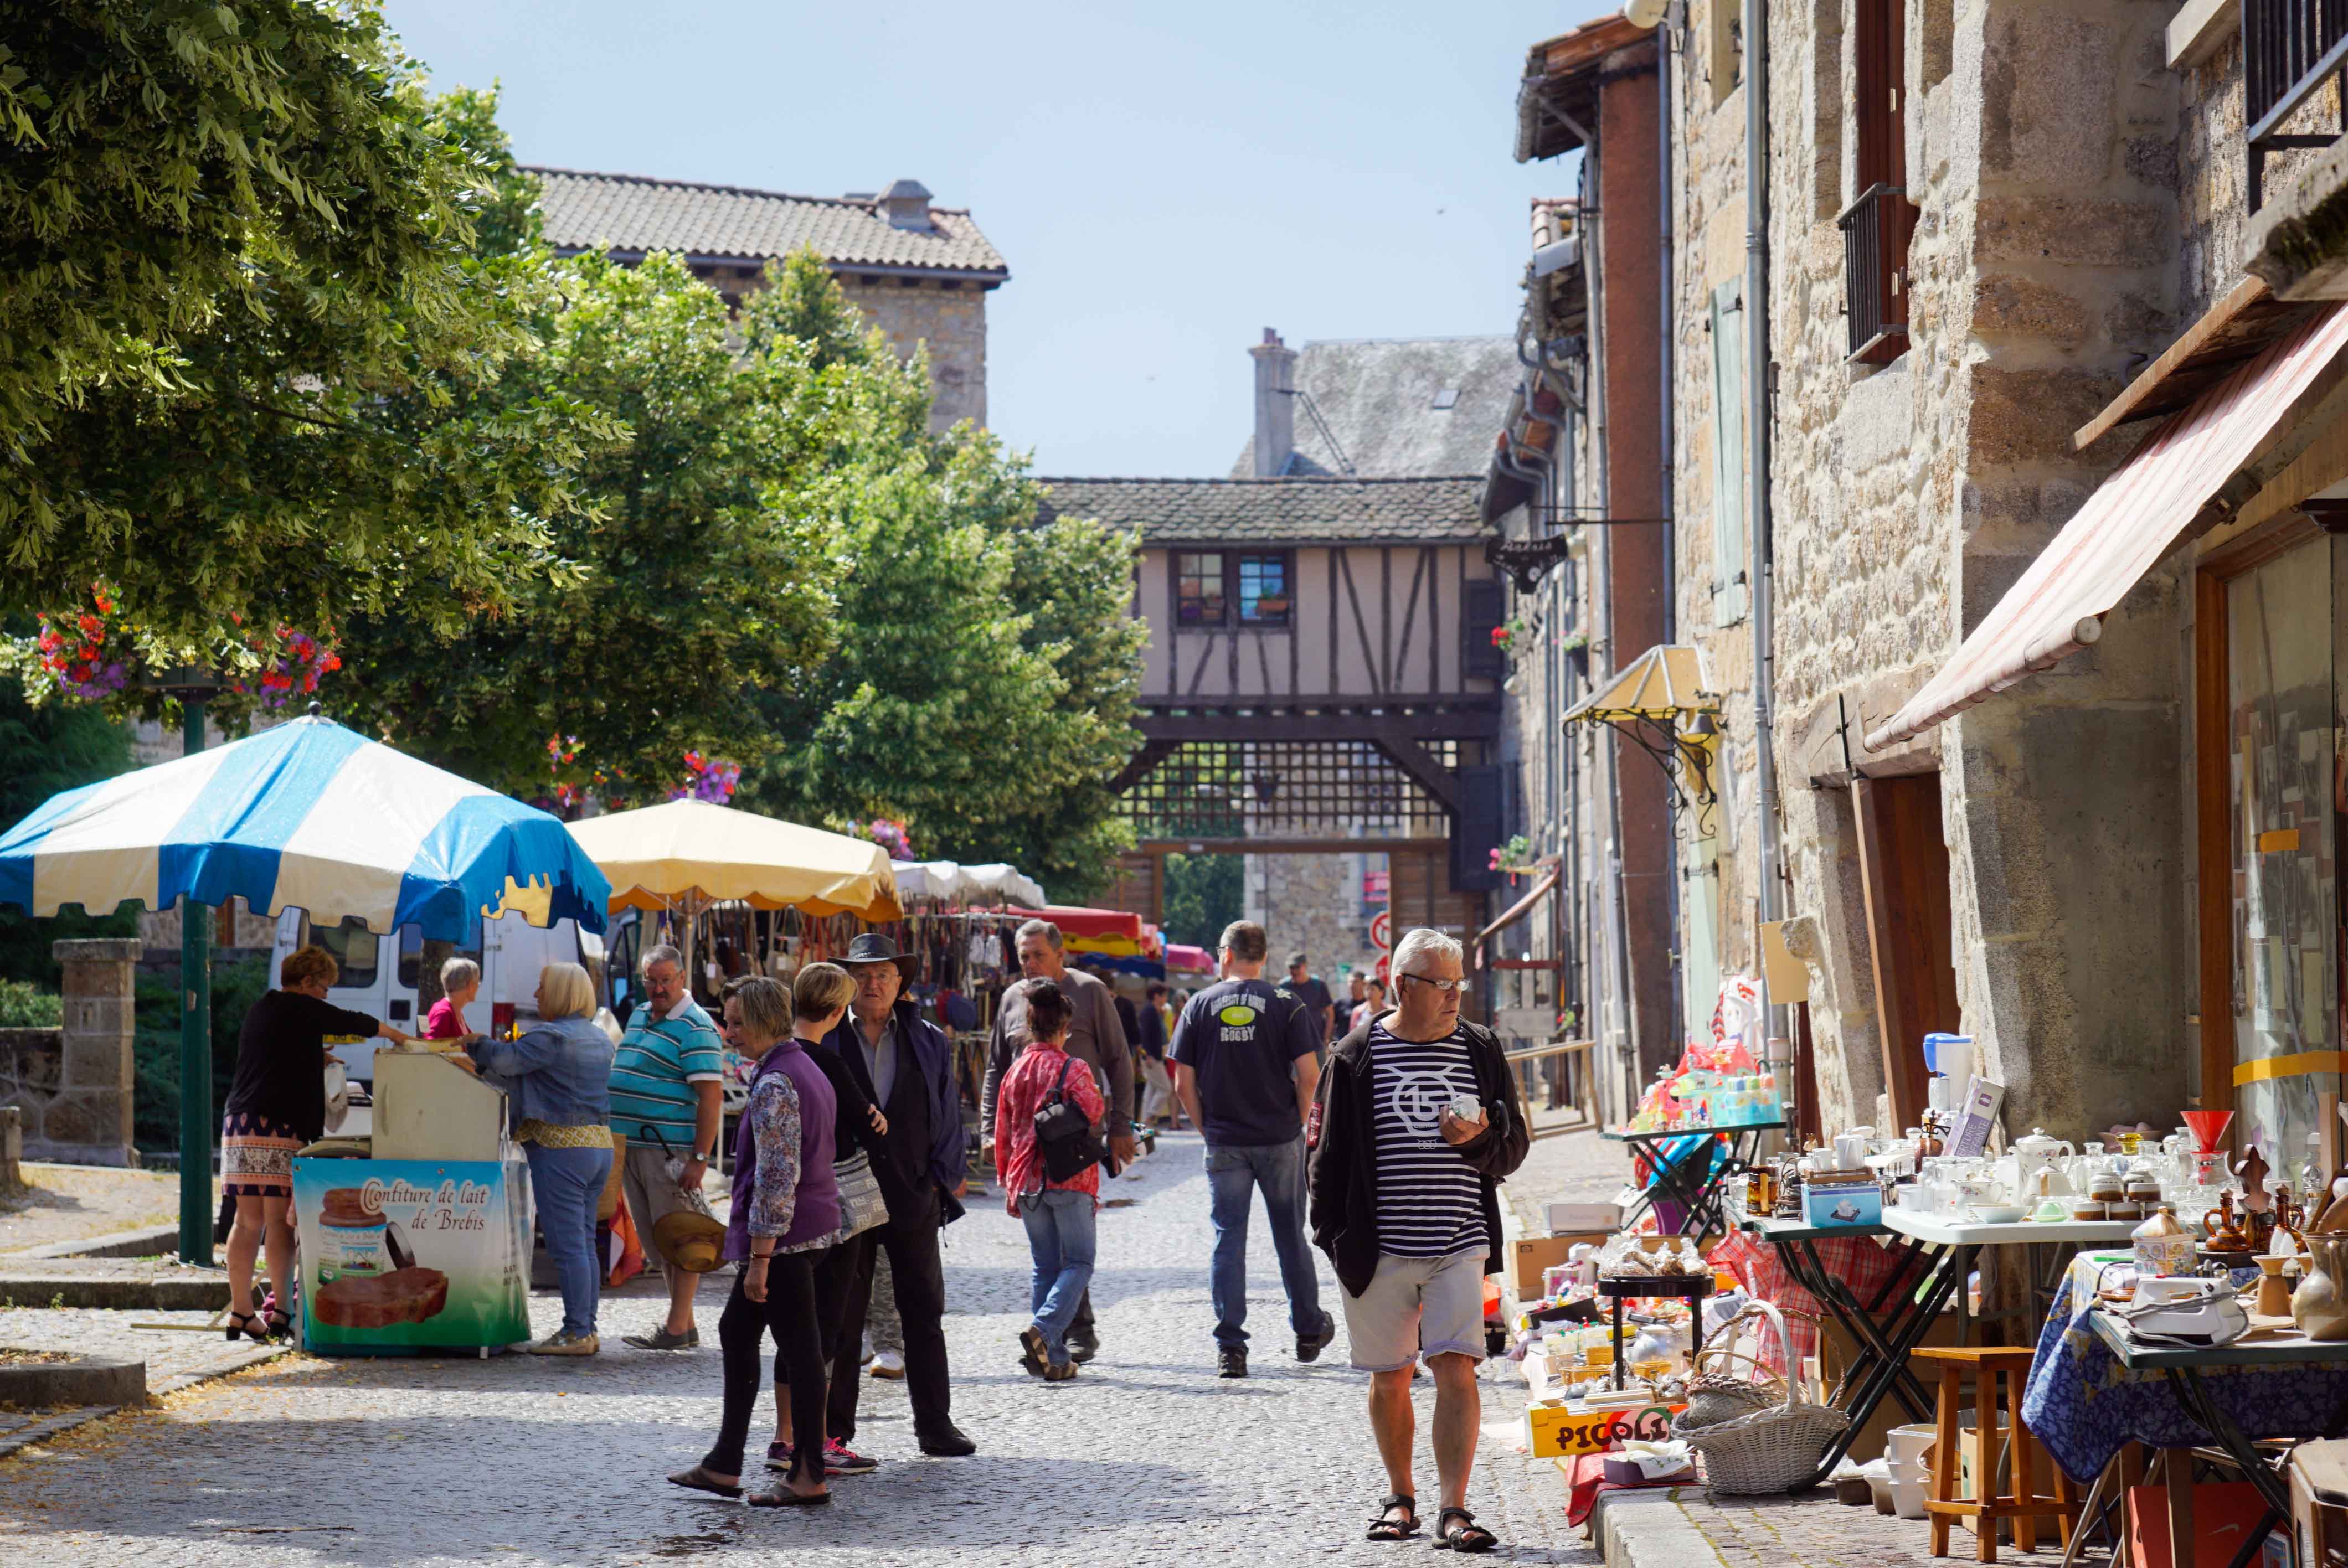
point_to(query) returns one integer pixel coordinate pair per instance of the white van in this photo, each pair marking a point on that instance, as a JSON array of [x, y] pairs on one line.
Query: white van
[[380, 974]]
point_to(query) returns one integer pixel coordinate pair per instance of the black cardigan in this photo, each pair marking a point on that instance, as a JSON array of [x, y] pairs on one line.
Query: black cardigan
[[1342, 1166], [281, 1060]]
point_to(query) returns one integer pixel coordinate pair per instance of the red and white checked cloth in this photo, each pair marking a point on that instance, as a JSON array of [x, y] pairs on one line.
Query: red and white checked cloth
[[1863, 1264]]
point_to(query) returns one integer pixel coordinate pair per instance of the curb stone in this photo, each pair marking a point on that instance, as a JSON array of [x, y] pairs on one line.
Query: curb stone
[[18, 1438], [1651, 1529]]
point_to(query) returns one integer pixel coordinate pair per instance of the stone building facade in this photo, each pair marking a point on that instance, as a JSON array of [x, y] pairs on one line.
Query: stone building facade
[[2000, 234], [920, 272]]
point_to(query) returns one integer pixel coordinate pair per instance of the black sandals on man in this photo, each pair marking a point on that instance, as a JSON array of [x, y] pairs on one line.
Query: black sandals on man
[[1455, 1530], [1384, 1528]]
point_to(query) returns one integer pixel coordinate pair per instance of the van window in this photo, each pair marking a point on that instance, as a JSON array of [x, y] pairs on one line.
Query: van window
[[353, 946], [411, 957]]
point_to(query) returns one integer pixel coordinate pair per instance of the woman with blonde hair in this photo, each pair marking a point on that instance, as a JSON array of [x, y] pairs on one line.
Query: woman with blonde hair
[[277, 1104], [558, 1077]]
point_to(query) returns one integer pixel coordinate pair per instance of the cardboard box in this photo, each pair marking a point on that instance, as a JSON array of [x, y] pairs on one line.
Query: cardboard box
[[1558, 1430], [1564, 1218], [1836, 1350], [1528, 1256], [2224, 1512], [1858, 1204]]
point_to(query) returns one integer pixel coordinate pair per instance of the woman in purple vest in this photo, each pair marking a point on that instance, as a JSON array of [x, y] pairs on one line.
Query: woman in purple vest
[[786, 1213]]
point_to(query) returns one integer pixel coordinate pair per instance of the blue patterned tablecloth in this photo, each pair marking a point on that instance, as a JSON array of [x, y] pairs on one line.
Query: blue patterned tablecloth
[[2083, 1406]]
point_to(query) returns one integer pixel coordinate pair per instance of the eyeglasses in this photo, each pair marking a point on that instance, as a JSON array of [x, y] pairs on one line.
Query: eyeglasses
[[1447, 987]]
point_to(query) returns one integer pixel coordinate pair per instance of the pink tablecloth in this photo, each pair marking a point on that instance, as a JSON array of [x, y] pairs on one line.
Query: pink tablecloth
[[1862, 1262]]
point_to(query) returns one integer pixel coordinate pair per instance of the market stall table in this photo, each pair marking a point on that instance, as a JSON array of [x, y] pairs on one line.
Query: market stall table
[[1962, 1243], [1691, 1288], [1700, 1194], [1891, 1321]]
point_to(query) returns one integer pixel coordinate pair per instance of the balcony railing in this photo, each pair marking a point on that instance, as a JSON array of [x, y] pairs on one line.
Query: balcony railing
[[2290, 49], [1875, 230]]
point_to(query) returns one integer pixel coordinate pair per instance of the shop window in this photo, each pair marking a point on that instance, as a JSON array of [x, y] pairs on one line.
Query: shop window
[[1198, 588], [1264, 598]]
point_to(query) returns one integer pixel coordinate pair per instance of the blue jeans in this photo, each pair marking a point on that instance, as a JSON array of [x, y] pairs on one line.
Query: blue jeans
[[1233, 1172], [568, 1184], [1060, 1238]]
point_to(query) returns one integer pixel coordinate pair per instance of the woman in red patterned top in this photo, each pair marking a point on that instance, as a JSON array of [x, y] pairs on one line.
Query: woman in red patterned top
[[1058, 1214]]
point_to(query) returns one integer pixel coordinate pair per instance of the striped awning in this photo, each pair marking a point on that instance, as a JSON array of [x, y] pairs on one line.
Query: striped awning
[[2133, 518], [307, 814]]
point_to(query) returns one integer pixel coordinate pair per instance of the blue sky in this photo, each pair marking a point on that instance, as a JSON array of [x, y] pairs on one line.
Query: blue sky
[[1165, 181]]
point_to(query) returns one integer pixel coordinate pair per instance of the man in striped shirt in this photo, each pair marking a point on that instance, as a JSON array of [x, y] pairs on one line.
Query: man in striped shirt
[[666, 1080], [1418, 1120]]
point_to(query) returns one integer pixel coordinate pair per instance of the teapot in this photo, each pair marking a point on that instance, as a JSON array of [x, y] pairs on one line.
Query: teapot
[[2036, 1152]]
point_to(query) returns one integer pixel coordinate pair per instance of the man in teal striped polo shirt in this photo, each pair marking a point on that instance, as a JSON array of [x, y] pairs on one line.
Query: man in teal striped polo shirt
[[666, 1078]]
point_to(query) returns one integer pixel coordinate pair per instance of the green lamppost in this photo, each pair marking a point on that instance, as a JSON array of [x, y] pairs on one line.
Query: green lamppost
[[193, 688]]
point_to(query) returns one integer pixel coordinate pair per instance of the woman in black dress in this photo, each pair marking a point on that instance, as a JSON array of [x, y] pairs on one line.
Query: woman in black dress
[[277, 1104]]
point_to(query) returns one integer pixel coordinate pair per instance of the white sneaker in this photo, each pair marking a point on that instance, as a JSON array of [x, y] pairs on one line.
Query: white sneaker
[[888, 1364], [562, 1344]]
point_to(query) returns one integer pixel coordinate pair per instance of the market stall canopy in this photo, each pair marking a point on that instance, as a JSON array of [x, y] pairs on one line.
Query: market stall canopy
[[1078, 923], [306, 815], [1660, 685], [1186, 959], [694, 853], [2135, 517], [957, 883]]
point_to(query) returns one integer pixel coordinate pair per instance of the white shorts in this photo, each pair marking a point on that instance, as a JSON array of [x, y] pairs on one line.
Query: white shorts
[[1417, 1306]]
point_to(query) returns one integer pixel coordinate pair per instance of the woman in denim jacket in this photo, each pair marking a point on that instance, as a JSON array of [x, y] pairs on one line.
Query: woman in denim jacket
[[558, 1078]]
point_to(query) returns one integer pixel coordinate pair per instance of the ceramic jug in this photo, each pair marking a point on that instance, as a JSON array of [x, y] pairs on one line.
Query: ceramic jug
[[2318, 1306], [2036, 1152]]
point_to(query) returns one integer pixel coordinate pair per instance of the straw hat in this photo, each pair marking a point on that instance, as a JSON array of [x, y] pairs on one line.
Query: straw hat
[[690, 1241]]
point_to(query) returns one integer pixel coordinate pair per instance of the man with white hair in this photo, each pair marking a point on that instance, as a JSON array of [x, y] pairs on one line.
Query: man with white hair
[[1418, 1121], [1095, 1037], [667, 1100]]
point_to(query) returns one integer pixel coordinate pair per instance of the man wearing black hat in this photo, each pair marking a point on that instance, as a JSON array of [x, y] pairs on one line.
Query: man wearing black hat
[[905, 1067]]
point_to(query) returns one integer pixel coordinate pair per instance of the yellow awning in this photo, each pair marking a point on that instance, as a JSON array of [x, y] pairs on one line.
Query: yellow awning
[[694, 853], [1660, 684]]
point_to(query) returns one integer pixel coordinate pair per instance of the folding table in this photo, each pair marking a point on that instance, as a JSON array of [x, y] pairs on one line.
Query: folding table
[[1699, 1192]]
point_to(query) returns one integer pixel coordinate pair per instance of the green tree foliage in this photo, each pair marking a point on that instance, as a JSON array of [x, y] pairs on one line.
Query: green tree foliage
[[1204, 893], [250, 353], [43, 750], [155, 1044], [982, 684], [699, 570]]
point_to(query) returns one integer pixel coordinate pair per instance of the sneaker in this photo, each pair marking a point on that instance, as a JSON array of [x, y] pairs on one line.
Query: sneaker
[[888, 1364], [1084, 1342], [1231, 1361], [662, 1339], [561, 1342], [778, 1457], [1309, 1349], [839, 1459]]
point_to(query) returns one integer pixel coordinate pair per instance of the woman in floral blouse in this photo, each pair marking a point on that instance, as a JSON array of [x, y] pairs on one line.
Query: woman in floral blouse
[[785, 1211]]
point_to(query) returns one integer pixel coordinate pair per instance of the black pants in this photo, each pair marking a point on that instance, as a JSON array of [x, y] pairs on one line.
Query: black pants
[[920, 1276], [792, 1313], [1083, 1319]]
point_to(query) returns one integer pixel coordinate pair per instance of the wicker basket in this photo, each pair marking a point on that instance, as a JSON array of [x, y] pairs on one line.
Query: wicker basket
[[1770, 1449], [1719, 1390]]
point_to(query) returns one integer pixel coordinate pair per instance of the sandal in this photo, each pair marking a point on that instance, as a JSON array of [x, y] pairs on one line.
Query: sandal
[[245, 1324], [280, 1326], [1466, 1536], [1384, 1529], [699, 1479], [784, 1497]]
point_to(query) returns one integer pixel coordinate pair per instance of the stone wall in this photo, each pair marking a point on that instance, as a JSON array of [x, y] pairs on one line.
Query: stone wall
[[1314, 902], [73, 1085], [2040, 151]]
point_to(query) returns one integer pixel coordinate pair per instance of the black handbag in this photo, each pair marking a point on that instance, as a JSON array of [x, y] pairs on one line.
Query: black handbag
[[1064, 1134]]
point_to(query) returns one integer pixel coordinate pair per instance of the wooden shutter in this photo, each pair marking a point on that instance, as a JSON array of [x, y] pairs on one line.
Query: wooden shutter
[[1878, 224], [1479, 617], [1481, 828]]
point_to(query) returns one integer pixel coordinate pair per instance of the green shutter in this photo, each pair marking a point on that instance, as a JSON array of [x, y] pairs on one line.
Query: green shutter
[[1728, 586]]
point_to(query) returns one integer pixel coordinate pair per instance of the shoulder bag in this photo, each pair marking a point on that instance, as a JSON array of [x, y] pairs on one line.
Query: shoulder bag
[[1064, 1134]]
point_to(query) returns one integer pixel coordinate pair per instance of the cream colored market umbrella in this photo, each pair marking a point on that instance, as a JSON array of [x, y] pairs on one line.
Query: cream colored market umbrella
[[693, 854]]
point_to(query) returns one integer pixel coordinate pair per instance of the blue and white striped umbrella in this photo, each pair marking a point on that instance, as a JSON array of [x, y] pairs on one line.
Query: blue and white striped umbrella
[[309, 815]]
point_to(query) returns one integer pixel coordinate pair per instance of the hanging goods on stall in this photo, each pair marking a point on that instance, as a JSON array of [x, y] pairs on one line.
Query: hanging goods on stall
[[1774, 1448]]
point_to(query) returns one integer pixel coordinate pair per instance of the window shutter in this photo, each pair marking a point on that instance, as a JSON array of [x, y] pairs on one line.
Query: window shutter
[[1728, 586], [1479, 617], [1478, 830]]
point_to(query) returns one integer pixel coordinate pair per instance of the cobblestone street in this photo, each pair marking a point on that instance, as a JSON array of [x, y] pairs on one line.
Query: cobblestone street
[[1148, 1457]]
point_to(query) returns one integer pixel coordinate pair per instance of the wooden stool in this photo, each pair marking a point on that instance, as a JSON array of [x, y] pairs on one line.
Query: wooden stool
[[2018, 1453]]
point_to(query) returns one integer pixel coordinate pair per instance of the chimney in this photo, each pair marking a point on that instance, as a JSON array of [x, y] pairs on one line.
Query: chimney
[[906, 204], [1275, 406]]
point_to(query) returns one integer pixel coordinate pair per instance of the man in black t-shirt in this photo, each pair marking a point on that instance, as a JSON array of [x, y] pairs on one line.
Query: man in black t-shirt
[[1245, 1060], [1314, 995]]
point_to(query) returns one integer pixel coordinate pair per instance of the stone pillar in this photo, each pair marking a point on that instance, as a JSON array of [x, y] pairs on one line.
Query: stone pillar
[[91, 1116], [11, 1148]]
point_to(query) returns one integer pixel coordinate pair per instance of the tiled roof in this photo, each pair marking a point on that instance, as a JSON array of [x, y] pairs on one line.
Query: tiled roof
[[630, 214], [1277, 511], [1385, 401], [1562, 73]]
